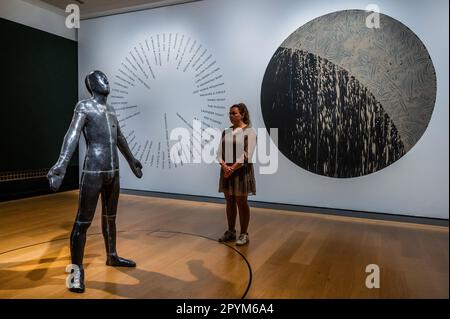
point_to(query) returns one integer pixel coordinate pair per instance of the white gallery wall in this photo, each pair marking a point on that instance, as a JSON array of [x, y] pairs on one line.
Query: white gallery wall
[[235, 40]]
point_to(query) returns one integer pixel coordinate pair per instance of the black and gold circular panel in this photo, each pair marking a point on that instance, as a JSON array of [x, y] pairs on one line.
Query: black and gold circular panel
[[349, 99]]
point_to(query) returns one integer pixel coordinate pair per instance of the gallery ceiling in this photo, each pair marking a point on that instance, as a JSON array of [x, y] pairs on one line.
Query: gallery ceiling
[[97, 8]]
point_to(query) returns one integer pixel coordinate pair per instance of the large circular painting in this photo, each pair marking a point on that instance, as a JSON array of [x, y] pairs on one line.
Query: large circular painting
[[348, 100]]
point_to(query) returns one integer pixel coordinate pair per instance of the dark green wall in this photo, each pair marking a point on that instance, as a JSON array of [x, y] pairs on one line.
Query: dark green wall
[[39, 90]]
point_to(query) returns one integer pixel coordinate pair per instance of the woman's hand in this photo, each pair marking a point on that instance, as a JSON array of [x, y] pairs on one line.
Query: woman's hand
[[227, 170]]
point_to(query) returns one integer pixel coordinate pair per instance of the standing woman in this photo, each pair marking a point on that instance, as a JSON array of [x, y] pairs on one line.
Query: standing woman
[[237, 178]]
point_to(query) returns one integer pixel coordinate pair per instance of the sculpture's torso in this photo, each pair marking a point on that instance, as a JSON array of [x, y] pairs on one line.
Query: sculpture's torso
[[100, 133]]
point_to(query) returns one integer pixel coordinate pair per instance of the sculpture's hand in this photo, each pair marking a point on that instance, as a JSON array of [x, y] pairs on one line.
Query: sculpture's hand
[[136, 167], [55, 177]]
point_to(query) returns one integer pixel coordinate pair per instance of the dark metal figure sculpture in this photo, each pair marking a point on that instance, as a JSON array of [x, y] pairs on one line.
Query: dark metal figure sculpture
[[98, 122]]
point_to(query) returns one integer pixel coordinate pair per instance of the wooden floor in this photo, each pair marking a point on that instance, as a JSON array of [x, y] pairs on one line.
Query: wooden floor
[[290, 255]]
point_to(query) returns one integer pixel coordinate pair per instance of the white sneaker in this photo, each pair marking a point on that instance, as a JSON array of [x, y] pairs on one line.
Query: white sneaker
[[242, 240]]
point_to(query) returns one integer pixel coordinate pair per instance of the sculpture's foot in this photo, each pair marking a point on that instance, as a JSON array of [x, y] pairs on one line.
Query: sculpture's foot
[[116, 261], [78, 290], [77, 285]]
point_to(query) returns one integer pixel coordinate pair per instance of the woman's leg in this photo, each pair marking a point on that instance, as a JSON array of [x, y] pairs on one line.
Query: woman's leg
[[231, 210], [244, 213]]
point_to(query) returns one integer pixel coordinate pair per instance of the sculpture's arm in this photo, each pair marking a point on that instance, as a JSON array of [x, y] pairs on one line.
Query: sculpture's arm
[[70, 144], [122, 144]]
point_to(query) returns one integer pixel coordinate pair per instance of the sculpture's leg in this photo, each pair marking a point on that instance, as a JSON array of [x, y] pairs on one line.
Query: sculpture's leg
[[110, 197], [90, 187]]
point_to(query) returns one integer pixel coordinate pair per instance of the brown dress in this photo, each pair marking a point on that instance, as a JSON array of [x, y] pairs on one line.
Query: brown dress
[[242, 181]]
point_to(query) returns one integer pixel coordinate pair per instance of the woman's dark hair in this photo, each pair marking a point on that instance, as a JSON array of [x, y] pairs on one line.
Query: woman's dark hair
[[244, 112]]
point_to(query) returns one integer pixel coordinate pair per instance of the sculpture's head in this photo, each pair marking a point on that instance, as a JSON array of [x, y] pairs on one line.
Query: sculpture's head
[[96, 81]]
